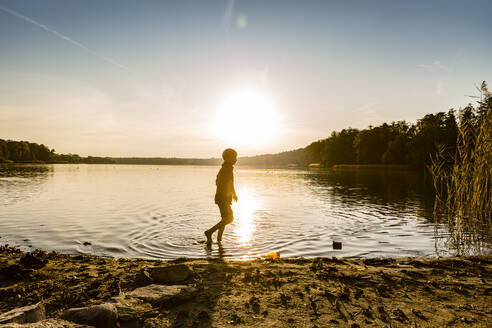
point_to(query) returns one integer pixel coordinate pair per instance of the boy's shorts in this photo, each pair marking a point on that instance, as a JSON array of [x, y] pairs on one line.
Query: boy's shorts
[[225, 210]]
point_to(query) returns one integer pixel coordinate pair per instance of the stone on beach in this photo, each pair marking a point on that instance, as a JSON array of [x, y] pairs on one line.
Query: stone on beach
[[102, 315], [26, 314], [132, 312], [48, 323], [36, 259], [164, 294], [143, 278], [168, 274]]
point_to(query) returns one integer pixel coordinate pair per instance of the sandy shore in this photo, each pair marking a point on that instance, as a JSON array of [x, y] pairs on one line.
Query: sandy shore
[[319, 292]]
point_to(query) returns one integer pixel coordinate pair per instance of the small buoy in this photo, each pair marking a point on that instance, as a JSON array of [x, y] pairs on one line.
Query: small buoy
[[337, 245], [273, 256]]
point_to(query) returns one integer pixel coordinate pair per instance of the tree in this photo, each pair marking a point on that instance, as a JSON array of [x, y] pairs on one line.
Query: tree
[[370, 144], [431, 131], [339, 148], [4, 150]]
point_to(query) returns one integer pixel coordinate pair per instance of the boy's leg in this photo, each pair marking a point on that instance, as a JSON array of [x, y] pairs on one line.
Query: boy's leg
[[219, 234], [219, 226], [225, 221], [208, 234], [227, 217], [213, 229]]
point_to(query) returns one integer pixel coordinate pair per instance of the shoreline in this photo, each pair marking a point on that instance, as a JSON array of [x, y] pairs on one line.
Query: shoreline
[[290, 292], [336, 167]]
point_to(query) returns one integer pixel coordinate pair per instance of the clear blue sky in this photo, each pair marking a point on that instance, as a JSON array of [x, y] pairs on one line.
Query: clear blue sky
[[146, 78]]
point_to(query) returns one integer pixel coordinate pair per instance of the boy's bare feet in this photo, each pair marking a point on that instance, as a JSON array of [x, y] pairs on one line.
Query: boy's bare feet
[[209, 236]]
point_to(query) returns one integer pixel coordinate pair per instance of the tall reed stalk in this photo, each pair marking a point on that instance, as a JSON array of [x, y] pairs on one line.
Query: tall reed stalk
[[463, 180]]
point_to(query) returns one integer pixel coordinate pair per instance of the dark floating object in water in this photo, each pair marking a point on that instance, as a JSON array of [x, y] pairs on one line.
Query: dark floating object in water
[[86, 243], [337, 245]]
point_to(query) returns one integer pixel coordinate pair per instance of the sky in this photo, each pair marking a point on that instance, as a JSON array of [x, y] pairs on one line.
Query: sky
[[190, 78]]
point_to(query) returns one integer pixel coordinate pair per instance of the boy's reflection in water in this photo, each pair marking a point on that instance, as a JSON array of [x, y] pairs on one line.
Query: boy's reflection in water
[[220, 251]]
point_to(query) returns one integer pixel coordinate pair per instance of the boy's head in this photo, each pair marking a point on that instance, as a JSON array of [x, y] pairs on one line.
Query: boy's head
[[230, 156]]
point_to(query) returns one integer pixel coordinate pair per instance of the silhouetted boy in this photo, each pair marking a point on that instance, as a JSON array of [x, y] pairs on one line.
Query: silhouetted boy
[[224, 195]]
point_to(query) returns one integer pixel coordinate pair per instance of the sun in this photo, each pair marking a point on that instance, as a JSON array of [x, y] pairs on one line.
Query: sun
[[247, 117]]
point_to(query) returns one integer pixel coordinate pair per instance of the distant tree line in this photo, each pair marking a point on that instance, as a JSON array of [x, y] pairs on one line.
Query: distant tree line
[[29, 152], [394, 143], [23, 151]]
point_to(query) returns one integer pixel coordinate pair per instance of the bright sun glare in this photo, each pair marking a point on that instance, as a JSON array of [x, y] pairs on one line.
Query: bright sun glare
[[244, 211], [247, 117]]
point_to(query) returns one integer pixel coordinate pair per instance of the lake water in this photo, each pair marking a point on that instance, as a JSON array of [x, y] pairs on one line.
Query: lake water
[[160, 212]]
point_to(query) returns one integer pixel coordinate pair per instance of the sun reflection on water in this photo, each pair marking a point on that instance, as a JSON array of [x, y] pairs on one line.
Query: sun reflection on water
[[244, 211]]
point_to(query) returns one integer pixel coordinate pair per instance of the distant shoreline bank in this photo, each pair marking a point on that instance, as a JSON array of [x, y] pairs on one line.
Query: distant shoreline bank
[[338, 167], [392, 167]]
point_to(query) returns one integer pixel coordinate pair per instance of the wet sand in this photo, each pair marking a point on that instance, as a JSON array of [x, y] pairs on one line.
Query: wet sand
[[321, 292]]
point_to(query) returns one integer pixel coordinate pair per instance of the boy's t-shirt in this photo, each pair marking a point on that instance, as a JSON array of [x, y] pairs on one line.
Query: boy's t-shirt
[[225, 185]]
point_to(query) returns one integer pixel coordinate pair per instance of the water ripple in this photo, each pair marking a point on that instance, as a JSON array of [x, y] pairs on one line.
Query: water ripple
[[161, 212]]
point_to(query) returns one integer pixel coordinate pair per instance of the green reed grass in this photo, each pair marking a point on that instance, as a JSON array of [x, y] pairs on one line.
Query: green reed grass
[[463, 180]]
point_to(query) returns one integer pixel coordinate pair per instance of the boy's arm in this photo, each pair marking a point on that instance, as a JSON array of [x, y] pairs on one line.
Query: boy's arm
[[234, 195]]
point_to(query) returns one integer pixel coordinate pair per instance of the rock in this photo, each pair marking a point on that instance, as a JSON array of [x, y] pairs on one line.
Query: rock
[[337, 245], [102, 315], [26, 314], [170, 274], [163, 294], [143, 278], [14, 271], [48, 323], [132, 312], [36, 259]]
